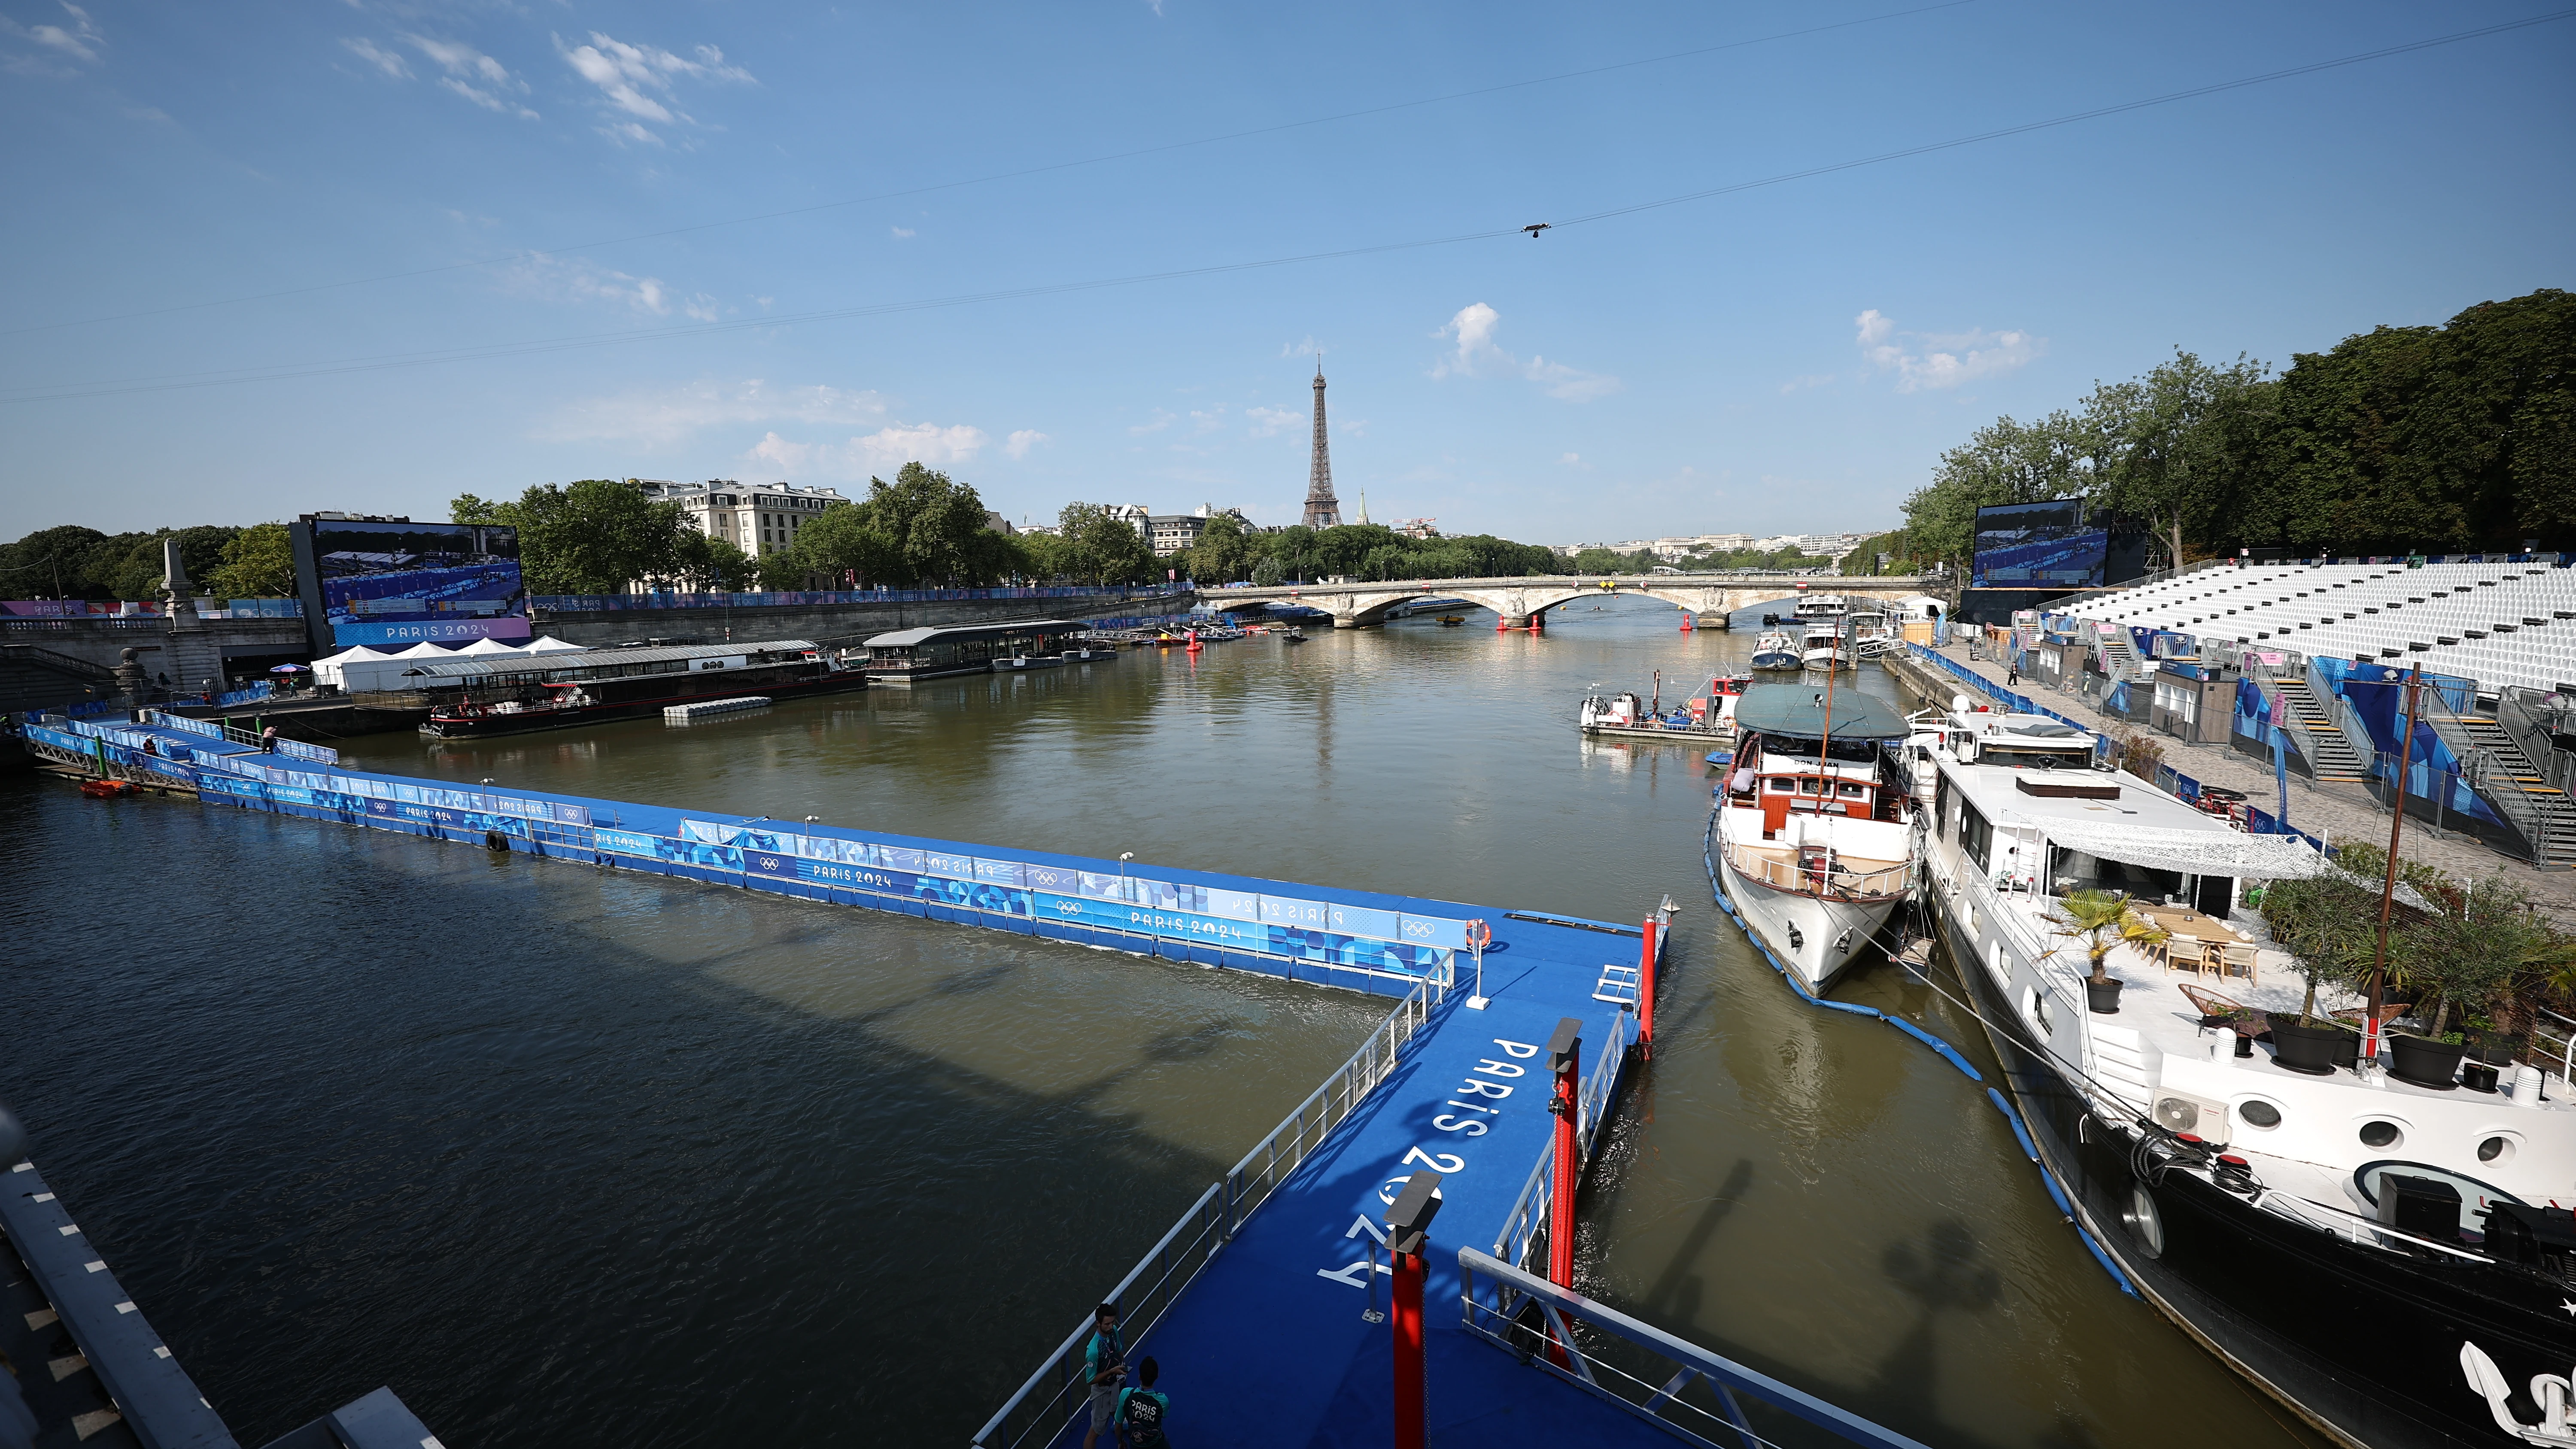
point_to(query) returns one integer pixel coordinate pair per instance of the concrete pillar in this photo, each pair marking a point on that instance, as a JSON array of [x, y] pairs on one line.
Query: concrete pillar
[[1514, 621]]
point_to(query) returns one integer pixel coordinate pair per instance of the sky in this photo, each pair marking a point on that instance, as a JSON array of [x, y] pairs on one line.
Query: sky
[[271, 258]]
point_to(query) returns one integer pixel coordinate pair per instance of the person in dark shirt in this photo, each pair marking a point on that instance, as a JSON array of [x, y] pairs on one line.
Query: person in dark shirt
[[1104, 1367], [1141, 1411]]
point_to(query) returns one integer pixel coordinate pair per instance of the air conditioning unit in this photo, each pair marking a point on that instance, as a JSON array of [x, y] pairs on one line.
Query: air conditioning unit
[[2179, 1112]]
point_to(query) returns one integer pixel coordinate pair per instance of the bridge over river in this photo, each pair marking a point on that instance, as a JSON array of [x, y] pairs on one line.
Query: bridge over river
[[1522, 601]]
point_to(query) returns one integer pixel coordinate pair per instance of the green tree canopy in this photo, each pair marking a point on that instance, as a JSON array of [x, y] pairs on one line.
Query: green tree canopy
[[256, 563], [594, 536]]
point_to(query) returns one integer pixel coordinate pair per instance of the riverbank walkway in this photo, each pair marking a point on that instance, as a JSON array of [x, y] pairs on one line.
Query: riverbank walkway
[[1258, 1304]]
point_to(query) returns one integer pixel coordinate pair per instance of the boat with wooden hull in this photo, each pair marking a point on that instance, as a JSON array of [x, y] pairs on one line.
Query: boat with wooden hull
[[2391, 1259], [1813, 837]]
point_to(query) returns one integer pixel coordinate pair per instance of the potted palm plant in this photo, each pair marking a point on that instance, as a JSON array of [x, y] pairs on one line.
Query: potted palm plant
[[2101, 919]]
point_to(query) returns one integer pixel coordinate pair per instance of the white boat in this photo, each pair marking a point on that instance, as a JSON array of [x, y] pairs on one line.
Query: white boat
[[1823, 647], [2390, 1258], [1814, 830], [1872, 634], [1776, 650], [1822, 606]]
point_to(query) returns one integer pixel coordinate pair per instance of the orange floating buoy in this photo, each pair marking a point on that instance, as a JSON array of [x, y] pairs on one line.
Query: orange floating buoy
[[106, 789]]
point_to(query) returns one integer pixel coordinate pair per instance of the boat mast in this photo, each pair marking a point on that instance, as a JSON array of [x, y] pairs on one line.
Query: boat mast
[[2388, 888]]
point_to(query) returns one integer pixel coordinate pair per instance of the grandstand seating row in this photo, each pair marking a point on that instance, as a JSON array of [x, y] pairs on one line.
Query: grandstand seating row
[[2497, 623]]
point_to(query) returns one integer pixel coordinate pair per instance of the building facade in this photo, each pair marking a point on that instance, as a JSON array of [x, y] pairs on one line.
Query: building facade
[[758, 518], [1169, 533]]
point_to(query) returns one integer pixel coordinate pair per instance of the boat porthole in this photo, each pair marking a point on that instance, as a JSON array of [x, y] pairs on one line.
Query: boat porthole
[[2381, 1134], [2143, 1222], [2496, 1149], [2258, 1113]]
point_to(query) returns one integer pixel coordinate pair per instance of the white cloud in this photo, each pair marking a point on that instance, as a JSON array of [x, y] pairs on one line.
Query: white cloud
[[1270, 422], [1572, 460], [661, 416], [1477, 354], [573, 280], [1020, 442], [81, 40], [1303, 347], [469, 72], [382, 59], [1161, 421], [903, 231], [1805, 380], [876, 454], [1933, 360], [635, 81]]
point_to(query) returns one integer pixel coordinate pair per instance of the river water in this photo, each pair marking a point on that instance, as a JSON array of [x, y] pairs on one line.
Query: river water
[[572, 1156]]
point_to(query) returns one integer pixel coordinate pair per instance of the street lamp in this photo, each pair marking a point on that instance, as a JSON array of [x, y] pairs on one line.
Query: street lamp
[[1123, 893]]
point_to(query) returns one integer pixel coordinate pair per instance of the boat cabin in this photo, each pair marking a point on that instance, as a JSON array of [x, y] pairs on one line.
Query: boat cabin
[[928, 653]]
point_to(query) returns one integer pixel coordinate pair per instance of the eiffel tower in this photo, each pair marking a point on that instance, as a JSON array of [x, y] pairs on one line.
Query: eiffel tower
[[1322, 509]]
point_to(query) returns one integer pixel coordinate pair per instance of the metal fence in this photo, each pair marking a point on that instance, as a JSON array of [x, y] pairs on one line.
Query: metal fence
[[1053, 1394], [1524, 1228], [1691, 1391]]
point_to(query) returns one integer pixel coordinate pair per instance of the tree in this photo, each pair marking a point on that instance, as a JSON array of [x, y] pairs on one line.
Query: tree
[[1223, 552], [848, 543], [706, 564], [256, 563], [595, 536], [52, 563], [2173, 447], [2004, 462], [2328, 923], [2102, 920], [1101, 549]]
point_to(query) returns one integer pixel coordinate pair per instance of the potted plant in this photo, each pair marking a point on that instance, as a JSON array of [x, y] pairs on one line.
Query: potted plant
[[2102, 920], [2463, 954], [2327, 923]]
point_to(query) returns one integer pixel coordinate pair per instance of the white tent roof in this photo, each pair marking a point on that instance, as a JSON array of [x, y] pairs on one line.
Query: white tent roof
[[550, 645], [423, 650], [2191, 852], [356, 655], [490, 646]]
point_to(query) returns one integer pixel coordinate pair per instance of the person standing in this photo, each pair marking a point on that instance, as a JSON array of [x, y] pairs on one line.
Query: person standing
[[2012, 675], [1141, 1411], [1104, 1367], [268, 739]]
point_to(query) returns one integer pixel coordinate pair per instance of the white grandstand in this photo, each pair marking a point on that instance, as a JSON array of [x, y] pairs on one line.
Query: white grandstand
[[2501, 624]]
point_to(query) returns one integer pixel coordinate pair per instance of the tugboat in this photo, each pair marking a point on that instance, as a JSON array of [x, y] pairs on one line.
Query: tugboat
[[2388, 1253], [1815, 826], [1776, 650]]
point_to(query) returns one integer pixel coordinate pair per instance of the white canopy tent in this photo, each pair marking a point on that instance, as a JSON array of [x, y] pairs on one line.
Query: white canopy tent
[[490, 646], [327, 670], [549, 644], [2191, 852]]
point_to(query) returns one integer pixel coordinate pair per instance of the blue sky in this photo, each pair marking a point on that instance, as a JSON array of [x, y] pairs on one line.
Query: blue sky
[[1792, 356]]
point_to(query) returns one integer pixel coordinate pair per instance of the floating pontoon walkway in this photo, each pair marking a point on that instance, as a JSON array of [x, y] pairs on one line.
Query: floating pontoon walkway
[[1255, 1303]]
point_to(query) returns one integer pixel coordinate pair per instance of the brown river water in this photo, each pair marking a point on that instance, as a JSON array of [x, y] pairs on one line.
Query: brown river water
[[579, 1157]]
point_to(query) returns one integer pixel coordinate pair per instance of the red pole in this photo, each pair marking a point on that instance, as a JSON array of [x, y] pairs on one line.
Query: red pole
[[1565, 1054], [1410, 1270], [1646, 990]]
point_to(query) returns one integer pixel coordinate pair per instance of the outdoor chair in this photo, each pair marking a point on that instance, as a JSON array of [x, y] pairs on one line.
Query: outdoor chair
[[2210, 1003], [2236, 955]]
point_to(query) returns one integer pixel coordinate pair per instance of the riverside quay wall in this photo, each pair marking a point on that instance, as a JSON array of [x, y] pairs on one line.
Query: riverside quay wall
[[836, 623]]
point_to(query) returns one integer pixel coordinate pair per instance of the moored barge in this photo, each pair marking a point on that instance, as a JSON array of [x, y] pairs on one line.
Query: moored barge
[[509, 695]]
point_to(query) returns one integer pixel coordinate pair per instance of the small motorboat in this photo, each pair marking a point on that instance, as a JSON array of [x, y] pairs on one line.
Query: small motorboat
[[106, 789], [1293, 636], [1450, 621]]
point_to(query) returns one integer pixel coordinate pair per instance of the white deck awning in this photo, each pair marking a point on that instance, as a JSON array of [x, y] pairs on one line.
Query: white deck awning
[[2190, 852]]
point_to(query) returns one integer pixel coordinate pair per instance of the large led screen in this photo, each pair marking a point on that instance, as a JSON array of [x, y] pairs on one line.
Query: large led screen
[[2039, 545], [409, 583]]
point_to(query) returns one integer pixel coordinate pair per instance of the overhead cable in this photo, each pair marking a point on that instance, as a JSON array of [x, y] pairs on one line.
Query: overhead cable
[[1025, 171], [227, 377]]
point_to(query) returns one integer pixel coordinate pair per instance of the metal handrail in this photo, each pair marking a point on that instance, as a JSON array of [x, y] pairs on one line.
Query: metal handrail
[[1529, 1211], [1050, 1396], [1893, 880], [1601, 1351]]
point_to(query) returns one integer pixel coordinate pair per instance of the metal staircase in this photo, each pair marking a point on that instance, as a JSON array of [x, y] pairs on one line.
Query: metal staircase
[[2493, 763], [2319, 737]]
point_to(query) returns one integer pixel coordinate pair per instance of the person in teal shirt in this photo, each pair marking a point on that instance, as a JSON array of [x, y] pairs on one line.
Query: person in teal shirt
[[1104, 1368], [1141, 1411]]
